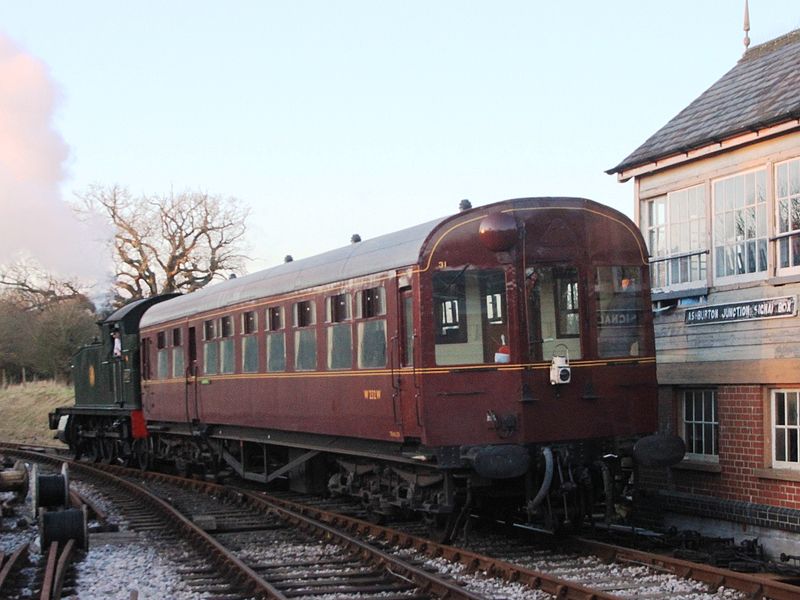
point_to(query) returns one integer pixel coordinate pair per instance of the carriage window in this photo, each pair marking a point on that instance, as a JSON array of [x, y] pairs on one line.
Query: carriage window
[[304, 314], [371, 306], [566, 290], [620, 322], [249, 343], [553, 312], [340, 333], [274, 318], [276, 340], [162, 364], [177, 353], [276, 352], [249, 323], [470, 316], [226, 345], [337, 308], [305, 338], [210, 348], [371, 303]]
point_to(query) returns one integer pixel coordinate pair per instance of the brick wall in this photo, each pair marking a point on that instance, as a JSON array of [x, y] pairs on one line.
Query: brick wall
[[740, 410]]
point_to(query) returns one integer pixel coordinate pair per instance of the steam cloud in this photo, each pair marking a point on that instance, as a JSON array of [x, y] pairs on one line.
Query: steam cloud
[[34, 219]]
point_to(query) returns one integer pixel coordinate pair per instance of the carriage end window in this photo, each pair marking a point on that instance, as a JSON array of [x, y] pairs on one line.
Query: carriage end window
[[470, 316], [620, 315], [553, 312]]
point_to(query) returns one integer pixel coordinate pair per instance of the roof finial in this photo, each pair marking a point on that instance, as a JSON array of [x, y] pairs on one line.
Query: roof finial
[[746, 26]]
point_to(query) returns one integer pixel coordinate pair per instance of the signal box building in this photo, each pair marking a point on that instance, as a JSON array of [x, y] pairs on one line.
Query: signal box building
[[717, 192]]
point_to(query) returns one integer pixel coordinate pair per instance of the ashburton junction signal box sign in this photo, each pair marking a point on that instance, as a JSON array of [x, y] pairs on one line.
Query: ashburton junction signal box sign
[[766, 308]]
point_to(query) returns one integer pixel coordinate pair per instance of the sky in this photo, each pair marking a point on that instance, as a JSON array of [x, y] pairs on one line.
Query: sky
[[334, 118]]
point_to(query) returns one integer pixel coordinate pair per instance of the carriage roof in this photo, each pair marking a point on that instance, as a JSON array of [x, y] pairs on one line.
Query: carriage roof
[[394, 250]]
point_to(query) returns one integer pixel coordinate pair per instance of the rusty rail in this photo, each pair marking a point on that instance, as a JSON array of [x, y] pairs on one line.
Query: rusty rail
[[9, 563]]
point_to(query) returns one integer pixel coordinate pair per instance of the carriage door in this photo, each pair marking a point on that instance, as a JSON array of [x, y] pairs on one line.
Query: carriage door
[[406, 384], [191, 377]]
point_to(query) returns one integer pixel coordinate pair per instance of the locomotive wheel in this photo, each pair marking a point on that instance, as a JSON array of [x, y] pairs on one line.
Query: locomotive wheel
[[108, 450], [94, 451], [142, 457]]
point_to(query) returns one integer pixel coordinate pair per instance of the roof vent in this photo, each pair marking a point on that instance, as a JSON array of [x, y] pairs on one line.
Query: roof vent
[[464, 205], [355, 238], [288, 258]]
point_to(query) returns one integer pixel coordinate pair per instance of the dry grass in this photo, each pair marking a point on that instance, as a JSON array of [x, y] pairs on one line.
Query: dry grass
[[23, 411]]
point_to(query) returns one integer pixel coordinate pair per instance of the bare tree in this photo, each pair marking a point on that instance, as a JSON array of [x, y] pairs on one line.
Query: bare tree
[[58, 332], [43, 321], [173, 243], [35, 288]]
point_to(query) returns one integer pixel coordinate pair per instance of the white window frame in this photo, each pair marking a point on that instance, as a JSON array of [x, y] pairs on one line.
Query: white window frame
[[788, 394], [663, 219], [712, 419], [725, 220], [788, 238]]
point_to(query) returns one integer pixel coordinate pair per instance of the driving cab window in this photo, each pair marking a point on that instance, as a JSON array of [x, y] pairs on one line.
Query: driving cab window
[[553, 311], [470, 316], [620, 323]]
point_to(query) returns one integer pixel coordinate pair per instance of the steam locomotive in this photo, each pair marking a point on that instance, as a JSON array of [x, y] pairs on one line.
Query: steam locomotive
[[498, 359]]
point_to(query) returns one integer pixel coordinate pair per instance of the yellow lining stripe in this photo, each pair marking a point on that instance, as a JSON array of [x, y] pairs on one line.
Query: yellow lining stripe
[[405, 371]]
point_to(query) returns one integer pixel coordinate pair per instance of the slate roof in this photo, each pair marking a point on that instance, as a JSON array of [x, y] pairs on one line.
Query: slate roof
[[762, 90]]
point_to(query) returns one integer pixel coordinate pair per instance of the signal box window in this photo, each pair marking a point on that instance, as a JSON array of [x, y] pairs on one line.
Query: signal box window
[[340, 332], [470, 316], [676, 231], [276, 340], [787, 201], [162, 365], [371, 304], [620, 314], [700, 424], [740, 227], [177, 353], [210, 348], [226, 345], [553, 311], [305, 336], [785, 429], [249, 342]]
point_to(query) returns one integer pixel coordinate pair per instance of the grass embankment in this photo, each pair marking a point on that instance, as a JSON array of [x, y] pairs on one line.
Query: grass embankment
[[24, 408]]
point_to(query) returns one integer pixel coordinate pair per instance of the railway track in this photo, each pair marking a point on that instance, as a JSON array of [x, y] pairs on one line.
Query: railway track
[[237, 549], [258, 529]]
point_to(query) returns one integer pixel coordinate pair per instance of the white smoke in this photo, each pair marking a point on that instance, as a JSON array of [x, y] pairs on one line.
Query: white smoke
[[35, 222]]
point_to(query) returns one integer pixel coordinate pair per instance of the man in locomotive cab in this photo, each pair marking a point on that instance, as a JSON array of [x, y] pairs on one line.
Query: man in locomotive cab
[[116, 337]]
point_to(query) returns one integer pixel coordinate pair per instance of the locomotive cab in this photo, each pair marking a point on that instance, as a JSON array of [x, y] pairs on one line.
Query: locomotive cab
[[107, 411]]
